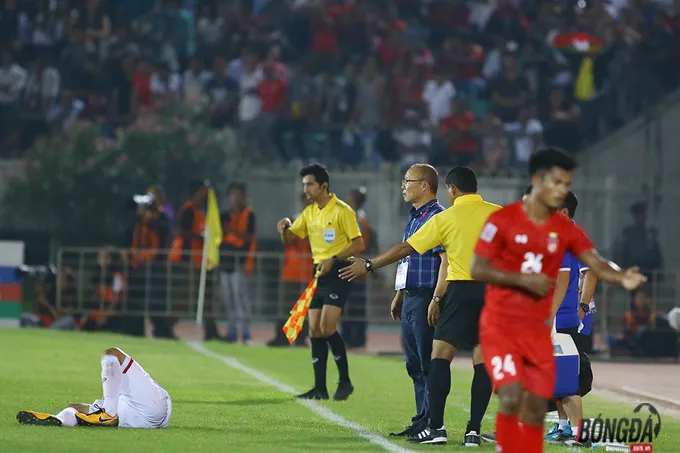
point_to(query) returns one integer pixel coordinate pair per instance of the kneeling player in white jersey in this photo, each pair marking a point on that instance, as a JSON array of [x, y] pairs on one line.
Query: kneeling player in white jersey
[[131, 400]]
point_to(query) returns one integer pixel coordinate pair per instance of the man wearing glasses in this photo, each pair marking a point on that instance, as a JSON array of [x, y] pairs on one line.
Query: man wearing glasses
[[455, 315], [420, 280]]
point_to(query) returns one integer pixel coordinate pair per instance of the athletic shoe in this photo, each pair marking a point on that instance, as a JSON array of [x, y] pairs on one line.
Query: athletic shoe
[[405, 433], [313, 394], [37, 418], [429, 436], [97, 418], [565, 435], [555, 433], [575, 443], [472, 439], [345, 389], [491, 438]]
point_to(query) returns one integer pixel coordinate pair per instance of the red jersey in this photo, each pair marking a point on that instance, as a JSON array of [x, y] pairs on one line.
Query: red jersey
[[513, 243]]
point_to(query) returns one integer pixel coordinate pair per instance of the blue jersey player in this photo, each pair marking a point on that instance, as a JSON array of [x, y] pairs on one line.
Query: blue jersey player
[[571, 319]]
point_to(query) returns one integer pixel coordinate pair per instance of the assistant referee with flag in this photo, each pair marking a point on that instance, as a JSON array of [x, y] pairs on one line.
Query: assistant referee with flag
[[334, 237], [456, 315]]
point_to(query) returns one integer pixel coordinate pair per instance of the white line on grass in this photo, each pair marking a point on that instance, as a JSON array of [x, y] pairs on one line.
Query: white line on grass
[[313, 406]]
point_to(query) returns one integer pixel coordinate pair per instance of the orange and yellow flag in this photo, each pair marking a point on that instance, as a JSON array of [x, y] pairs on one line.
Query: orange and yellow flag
[[293, 326]]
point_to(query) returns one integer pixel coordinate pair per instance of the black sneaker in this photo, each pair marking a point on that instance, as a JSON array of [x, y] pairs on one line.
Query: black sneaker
[[472, 439], [345, 389], [313, 394], [405, 433], [564, 437], [429, 436], [491, 438], [575, 443]]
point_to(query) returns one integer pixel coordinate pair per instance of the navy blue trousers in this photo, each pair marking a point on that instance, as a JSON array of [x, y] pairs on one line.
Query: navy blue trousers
[[416, 336]]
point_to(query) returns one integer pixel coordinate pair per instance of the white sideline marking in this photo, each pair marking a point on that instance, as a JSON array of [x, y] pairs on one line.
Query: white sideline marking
[[649, 395], [313, 406]]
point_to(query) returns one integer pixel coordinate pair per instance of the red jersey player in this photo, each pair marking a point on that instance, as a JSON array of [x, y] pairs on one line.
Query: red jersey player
[[519, 253]]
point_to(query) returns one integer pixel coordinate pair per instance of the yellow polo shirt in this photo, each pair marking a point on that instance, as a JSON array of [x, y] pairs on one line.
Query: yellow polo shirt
[[457, 229], [330, 230]]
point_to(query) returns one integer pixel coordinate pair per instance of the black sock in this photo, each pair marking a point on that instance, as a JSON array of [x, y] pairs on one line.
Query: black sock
[[319, 359], [440, 385], [480, 394], [339, 351]]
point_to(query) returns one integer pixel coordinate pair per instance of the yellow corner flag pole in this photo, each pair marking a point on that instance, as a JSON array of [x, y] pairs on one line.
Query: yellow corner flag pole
[[212, 238]]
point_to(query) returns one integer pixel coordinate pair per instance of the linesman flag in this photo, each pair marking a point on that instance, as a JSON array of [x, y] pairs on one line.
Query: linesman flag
[[214, 231], [294, 324]]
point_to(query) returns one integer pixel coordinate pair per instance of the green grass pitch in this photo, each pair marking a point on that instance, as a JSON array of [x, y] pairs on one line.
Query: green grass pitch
[[217, 408]]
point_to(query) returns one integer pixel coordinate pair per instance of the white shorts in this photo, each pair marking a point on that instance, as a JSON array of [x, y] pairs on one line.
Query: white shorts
[[143, 403]]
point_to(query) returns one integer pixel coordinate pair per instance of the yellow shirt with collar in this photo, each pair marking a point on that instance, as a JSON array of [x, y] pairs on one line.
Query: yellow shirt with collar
[[457, 229], [330, 230]]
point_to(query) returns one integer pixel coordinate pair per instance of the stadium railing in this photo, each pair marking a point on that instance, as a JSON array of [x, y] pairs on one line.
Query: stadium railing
[[163, 288]]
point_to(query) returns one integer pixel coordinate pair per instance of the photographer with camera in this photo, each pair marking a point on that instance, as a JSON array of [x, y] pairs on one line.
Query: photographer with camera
[[150, 235]]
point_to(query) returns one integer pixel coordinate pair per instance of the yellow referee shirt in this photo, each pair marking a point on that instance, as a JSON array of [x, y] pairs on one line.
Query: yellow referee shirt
[[331, 229], [457, 229]]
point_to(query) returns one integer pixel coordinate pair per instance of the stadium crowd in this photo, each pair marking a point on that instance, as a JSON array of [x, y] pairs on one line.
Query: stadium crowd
[[343, 82]]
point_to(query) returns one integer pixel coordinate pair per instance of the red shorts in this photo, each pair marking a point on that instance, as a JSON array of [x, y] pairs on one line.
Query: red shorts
[[525, 357]]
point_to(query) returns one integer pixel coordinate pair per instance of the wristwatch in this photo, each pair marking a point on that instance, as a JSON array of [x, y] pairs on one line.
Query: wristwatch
[[436, 299], [369, 266], [584, 307]]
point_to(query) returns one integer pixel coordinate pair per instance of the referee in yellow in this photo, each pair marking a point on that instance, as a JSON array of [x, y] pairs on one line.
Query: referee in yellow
[[334, 237], [456, 315]]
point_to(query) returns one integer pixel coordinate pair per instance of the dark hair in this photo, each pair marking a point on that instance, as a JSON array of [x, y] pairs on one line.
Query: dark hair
[[360, 196], [318, 171], [527, 191], [463, 178], [547, 158], [638, 208], [236, 186], [571, 203], [197, 184]]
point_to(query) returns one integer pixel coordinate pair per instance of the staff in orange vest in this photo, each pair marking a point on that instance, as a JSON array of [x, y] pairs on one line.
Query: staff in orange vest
[[188, 242], [296, 270], [148, 273], [237, 261], [187, 247]]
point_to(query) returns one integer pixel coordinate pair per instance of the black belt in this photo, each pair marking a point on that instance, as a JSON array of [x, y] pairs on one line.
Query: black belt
[[416, 291]]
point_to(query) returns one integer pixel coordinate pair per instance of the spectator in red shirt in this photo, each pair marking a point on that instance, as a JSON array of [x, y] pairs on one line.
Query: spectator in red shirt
[[273, 94], [325, 42], [141, 86], [391, 48], [272, 91], [457, 129]]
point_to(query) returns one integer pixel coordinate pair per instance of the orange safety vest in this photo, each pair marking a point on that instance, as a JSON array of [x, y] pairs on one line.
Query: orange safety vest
[[145, 244], [195, 245], [298, 265], [238, 223], [105, 291]]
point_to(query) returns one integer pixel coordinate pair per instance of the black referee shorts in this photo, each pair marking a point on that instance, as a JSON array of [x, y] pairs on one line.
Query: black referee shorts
[[459, 313], [585, 374], [331, 289]]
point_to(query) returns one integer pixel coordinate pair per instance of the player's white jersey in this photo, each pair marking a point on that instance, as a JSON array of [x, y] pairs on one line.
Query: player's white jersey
[[142, 403]]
